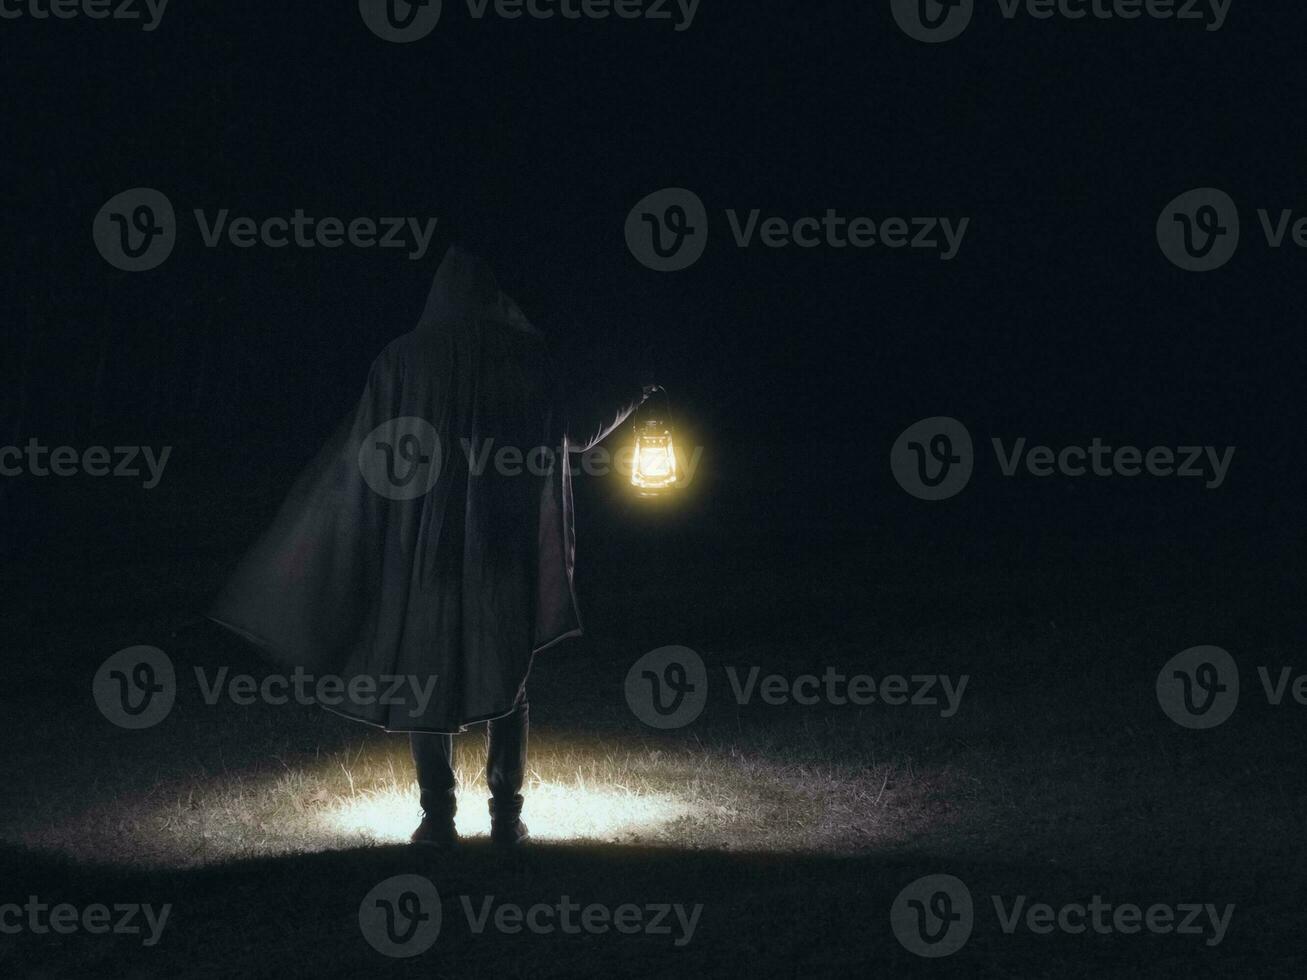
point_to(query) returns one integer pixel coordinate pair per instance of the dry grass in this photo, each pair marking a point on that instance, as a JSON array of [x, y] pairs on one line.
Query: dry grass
[[631, 790], [1058, 778]]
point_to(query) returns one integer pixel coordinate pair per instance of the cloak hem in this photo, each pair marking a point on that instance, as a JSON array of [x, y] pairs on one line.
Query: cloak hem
[[276, 657]]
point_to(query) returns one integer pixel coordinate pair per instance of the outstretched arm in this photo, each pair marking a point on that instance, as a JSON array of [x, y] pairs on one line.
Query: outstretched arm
[[593, 413]]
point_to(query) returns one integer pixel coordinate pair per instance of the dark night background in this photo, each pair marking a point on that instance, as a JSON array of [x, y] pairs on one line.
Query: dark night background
[[1059, 320]]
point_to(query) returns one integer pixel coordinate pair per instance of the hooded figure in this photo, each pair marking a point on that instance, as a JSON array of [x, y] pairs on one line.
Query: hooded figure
[[427, 552]]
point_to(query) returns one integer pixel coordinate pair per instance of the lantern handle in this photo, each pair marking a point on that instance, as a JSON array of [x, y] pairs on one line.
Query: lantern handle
[[649, 391]]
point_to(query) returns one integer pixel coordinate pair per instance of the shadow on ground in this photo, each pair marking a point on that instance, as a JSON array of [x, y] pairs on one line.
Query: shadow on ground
[[762, 915]]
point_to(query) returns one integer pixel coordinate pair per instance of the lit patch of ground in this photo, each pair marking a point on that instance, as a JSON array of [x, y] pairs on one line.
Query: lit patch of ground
[[556, 812], [584, 788]]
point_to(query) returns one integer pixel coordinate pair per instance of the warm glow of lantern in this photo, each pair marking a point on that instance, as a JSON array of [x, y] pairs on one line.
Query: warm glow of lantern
[[653, 468], [653, 463]]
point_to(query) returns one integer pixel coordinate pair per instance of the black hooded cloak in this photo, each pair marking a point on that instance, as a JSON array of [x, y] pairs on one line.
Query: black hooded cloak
[[403, 551]]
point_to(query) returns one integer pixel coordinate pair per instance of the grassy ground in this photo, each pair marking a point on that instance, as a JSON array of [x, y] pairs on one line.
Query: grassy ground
[[795, 827]]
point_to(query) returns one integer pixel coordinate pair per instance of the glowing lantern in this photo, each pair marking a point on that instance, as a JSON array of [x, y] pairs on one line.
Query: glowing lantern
[[653, 467]]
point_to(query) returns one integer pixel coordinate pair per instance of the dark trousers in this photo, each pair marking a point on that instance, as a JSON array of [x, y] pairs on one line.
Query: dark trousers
[[506, 737]]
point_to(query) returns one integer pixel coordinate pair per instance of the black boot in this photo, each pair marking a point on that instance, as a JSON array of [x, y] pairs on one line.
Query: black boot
[[505, 773], [433, 756]]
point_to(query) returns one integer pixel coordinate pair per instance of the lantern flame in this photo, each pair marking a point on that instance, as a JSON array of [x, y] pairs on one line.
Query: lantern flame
[[653, 468]]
